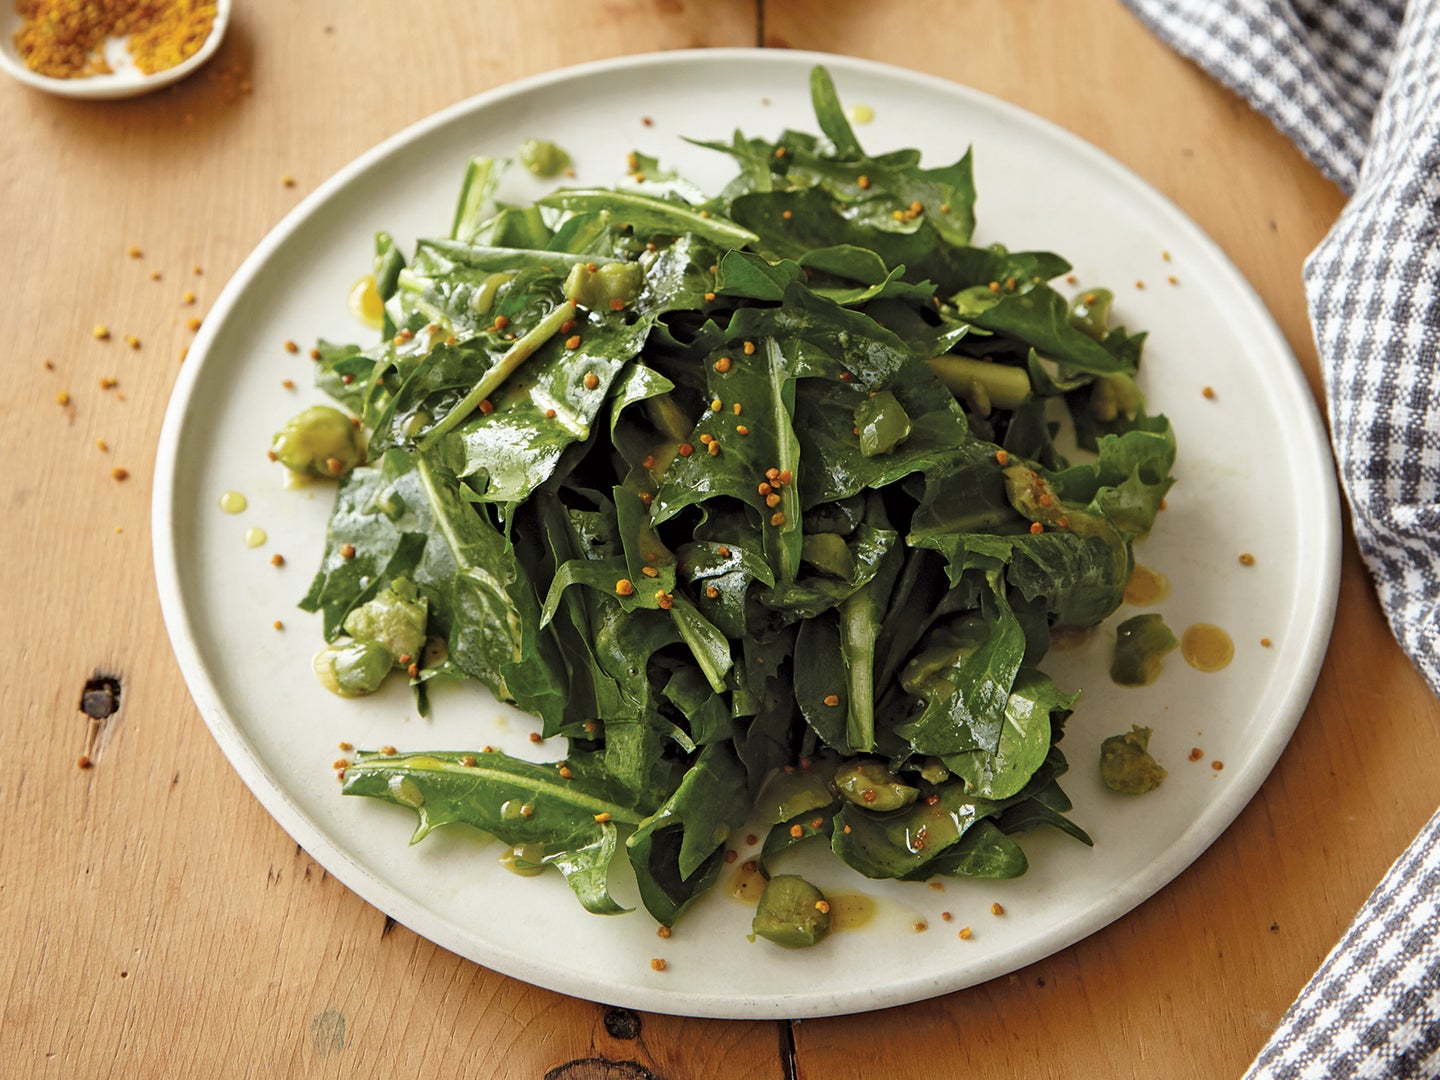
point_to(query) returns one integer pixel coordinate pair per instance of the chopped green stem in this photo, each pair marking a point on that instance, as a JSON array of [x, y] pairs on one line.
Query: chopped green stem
[[788, 452], [1004, 387], [482, 174], [681, 219], [858, 630], [516, 355]]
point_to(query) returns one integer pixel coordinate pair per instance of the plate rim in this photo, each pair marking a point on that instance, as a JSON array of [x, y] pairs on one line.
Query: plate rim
[[1298, 682]]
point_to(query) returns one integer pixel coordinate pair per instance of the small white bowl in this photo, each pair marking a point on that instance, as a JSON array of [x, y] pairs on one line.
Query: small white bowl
[[125, 80]]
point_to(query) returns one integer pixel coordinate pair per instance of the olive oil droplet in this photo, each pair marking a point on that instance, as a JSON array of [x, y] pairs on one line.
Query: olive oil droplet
[[232, 502], [1206, 647], [1146, 586], [747, 884], [365, 303], [850, 911], [255, 537], [524, 860], [860, 114]]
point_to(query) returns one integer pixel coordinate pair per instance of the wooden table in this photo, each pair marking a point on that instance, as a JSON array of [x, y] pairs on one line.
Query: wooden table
[[160, 923]]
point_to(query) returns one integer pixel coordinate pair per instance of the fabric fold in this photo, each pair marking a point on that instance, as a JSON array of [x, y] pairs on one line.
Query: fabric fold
[[1355, 84]]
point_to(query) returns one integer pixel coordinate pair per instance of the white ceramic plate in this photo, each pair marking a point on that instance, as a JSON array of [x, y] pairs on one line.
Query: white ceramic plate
[[1254, 476], [124, 80]]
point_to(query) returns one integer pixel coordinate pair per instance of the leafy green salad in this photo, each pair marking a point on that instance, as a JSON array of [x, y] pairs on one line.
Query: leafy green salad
[[753, 498]]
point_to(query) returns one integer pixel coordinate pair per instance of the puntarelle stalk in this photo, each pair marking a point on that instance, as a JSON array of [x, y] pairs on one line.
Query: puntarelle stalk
[[516, 355], [1003, 387], [788, 463], [857, 634]]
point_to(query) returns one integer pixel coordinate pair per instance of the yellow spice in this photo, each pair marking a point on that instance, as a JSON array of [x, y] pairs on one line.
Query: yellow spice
[[65, 39]]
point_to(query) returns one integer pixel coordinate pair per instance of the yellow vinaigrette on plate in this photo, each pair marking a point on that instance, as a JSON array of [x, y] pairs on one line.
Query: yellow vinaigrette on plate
[[1206, 647], [365, 303]]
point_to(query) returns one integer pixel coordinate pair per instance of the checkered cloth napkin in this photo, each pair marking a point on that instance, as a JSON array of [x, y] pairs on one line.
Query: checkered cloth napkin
[[1356, 85]]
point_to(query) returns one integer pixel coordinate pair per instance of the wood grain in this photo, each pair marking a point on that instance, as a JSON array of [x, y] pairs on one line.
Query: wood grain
[[161, 924]]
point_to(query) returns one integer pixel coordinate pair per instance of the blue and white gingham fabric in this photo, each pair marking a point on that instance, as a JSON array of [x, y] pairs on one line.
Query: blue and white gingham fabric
[[1356, 85]]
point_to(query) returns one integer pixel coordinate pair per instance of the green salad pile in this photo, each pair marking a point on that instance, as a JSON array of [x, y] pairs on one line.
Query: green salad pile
[[755, 499]]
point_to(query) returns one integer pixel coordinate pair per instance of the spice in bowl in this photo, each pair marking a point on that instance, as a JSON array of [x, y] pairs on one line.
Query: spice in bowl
[[65, 39]]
